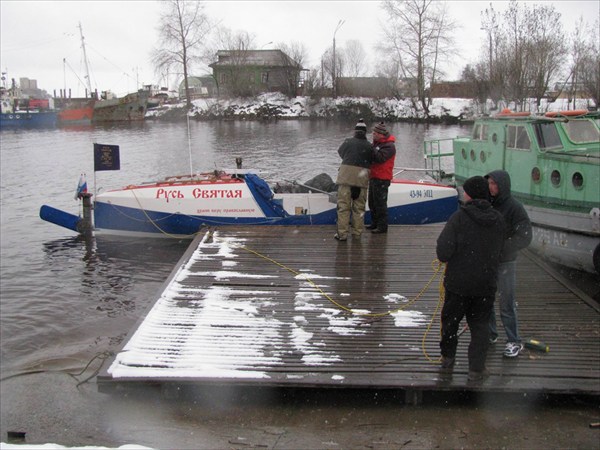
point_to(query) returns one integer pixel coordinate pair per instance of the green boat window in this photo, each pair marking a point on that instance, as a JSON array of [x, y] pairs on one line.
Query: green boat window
[[547, 136], [518, 138], [581, 131], [480, 132]]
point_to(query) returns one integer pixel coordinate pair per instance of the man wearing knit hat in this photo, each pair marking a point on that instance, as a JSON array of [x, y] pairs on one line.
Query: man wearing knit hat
[[353, 182], [470, 245], [382, 172]]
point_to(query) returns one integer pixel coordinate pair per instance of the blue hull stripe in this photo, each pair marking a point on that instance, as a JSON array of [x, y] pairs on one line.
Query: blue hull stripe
[[109, 217]]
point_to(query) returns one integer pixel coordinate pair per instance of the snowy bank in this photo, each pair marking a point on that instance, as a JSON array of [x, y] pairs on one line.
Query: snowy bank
[[274, 106]]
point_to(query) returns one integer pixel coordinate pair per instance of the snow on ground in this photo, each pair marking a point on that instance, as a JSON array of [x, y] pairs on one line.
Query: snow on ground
[[277, 104]]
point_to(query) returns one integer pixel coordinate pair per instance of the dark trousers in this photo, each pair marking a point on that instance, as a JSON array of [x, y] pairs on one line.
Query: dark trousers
[[477, 310], [378, 196]]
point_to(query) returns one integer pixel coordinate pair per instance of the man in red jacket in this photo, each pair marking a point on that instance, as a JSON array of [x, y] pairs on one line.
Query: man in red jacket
[[382, 172]]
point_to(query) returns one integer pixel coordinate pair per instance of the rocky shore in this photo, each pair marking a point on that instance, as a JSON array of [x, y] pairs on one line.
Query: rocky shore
[[275, 106]]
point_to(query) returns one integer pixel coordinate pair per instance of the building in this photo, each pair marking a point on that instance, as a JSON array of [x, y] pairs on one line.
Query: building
[[200, 87], [452, 89], [243, 73], [375, 87]]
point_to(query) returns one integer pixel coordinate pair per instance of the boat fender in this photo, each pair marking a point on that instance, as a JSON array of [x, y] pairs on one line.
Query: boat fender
[[60, 218]]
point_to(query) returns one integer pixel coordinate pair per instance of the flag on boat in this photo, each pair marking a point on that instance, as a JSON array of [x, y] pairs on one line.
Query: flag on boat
[[106, 157], [81, 187]]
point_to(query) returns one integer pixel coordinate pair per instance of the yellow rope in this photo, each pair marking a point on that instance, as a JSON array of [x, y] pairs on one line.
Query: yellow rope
[[350, 310], [436, 272]]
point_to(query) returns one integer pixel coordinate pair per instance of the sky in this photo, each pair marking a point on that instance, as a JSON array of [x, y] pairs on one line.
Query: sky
[[37, 36]]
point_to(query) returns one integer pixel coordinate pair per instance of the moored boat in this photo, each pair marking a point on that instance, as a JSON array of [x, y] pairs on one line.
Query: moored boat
[[180, 206], [554, 164], [77, 111], [28, 119], [130, 108], [18, 111]]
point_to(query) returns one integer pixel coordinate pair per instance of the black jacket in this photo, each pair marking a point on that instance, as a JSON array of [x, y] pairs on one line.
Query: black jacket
[[518, 226], [470, 244], [356, 154]]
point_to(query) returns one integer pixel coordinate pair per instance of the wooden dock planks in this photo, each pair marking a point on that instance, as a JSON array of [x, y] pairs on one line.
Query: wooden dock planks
[[269, 306]]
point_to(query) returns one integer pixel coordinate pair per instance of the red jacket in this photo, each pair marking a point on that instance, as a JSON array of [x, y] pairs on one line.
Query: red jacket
[[384, 157]]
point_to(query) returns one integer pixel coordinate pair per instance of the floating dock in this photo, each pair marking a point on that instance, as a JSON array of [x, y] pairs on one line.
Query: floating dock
[[292, 307]]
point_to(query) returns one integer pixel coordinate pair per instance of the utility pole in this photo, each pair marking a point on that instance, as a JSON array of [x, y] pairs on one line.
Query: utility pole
[[333, 74]]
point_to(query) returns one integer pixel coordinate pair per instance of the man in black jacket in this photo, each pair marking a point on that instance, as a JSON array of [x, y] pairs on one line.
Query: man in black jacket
[[353, 183], [517, 236], [470, 245]]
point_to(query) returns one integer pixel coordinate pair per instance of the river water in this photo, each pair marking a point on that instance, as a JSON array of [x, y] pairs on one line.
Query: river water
[[64, 300]]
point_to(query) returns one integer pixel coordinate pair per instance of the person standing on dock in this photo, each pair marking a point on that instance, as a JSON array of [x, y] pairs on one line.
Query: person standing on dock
[[518, 236], [382, 172], [353, 182], [470, 245]]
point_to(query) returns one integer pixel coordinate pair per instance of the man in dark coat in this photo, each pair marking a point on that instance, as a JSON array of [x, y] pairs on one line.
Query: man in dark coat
[[470, 245], [353, 182], [518, 236]]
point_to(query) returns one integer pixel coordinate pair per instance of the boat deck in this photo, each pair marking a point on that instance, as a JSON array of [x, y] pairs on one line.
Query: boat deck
[[292, 307]]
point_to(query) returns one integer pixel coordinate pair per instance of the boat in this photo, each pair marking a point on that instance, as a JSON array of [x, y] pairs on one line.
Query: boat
[[75, 111], [130, 108], [103, 108], [179, 206], [28, 119], [554, 164], [18, 111]]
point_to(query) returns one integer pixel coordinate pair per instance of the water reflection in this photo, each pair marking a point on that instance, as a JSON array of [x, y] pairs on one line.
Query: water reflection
[[62, 295]]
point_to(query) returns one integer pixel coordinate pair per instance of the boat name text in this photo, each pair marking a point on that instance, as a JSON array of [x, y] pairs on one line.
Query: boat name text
[[168, 194]]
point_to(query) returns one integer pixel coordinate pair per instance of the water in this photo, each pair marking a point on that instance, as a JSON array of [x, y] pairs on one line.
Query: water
[[63, 300]]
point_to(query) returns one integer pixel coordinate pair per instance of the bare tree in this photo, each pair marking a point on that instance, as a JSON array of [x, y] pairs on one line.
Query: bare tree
[[356, 58], [328, 65], [293, 57], [418, 37], [513, 50], [546, 49], [182, 34], [493, 72], [585, 66], [234, 45]]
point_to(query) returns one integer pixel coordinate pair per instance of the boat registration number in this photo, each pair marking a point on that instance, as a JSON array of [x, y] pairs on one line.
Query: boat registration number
[[421, 193]]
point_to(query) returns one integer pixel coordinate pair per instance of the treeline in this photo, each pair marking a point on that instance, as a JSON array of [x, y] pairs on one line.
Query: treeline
[[529, 56], [527, 53]]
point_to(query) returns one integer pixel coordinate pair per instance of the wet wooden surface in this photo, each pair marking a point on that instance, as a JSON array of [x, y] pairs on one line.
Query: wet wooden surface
[[296, 308]]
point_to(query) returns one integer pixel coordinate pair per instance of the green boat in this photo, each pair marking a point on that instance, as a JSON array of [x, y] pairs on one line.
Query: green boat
[[554, 164]]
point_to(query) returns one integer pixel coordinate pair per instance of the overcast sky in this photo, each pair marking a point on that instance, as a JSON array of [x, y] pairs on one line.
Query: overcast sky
[[37, 35]]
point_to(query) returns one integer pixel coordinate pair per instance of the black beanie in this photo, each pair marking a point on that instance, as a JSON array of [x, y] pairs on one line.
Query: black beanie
[[361, 126], [477, 187]]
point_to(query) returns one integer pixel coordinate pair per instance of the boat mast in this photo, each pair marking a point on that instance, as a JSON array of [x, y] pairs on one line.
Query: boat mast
[[85, 60]]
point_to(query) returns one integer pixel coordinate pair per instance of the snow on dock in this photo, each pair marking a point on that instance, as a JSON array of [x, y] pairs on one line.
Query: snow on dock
[[291, 306]]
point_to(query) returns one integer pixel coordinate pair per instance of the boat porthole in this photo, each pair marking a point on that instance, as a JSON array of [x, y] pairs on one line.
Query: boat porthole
[[10, 117], [472, 155], [536, 175], [464, 153], [494, 138], [482, 156], [577, 181], [555, 178]]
